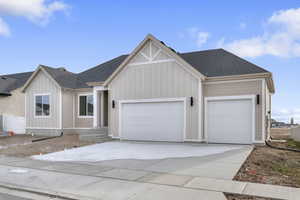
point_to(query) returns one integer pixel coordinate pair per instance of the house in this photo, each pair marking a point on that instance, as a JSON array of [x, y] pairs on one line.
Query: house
[[155, 94], [12, 107]]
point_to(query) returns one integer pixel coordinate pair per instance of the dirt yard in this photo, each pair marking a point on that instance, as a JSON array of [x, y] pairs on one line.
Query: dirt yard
[[22, 145], [271, 166]]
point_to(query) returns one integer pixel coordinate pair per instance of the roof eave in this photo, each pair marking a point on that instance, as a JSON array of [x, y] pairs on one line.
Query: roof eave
[[266, 75]]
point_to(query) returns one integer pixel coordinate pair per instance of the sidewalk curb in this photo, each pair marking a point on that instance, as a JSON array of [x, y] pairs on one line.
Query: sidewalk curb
[[43, 192]]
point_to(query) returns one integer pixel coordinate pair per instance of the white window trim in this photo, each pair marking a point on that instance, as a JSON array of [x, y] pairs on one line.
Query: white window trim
[[42, 116], [220, 98], [78, 106], [183, 100]]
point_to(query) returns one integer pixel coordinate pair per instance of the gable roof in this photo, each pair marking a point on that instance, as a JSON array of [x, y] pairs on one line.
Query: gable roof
[[64, 78], [168, 50], [11, 82], [207, 64], [61, 76], [211, 63]]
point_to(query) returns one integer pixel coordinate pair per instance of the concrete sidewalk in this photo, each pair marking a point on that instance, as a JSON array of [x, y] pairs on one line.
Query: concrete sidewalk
[[84, 181], [88, 187]]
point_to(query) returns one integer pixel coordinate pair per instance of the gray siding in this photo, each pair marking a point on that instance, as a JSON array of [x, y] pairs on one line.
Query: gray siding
[[235, 89], [40, 85], [156, 80], [82, 122]]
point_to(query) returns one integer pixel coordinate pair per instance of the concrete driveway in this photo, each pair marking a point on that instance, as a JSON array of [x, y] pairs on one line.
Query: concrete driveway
[[223, 165], [190, 177], [184, 159]]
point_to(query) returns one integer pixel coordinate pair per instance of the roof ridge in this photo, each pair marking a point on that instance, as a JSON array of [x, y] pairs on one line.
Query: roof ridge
[[217, 49], [16, 74]]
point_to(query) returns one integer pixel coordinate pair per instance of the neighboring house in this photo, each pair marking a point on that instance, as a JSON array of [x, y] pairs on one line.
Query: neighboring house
[[155, 94], [12, 110]]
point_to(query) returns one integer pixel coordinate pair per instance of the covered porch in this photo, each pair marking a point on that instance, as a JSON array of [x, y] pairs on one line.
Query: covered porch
[[100, 117]]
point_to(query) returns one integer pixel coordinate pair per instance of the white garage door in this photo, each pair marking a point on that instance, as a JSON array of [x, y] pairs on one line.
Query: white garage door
[[152, 121], [14, 123], [230, 121]]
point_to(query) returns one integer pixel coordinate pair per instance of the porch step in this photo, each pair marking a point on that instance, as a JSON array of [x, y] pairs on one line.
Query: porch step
[[93, 131], [94, 135]]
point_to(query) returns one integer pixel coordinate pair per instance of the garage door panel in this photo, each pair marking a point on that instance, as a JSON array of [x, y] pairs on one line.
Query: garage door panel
[[230, 121], [155, 121]]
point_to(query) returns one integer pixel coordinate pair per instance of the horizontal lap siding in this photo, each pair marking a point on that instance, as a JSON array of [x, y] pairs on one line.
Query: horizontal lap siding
[[43, 84], [236, 89], [156, 80]]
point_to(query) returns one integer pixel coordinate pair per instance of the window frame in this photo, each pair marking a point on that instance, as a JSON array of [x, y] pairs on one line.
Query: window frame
[[35, 107], [78, 105]]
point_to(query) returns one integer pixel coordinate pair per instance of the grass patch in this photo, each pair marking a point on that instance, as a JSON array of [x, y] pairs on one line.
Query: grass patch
[[293, 144]]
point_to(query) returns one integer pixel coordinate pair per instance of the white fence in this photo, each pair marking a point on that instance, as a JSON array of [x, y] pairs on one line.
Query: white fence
[[13, 123], [295, 133]]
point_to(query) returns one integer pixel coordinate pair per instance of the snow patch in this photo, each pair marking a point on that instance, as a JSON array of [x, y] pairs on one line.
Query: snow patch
[[135, 150], [18, 171]]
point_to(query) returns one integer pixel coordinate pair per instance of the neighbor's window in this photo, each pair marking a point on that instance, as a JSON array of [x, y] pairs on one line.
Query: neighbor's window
[[86, 105], [42, 105]]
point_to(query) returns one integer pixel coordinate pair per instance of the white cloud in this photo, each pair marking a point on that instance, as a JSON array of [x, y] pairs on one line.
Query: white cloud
[[37, 11], [195, 34], [4, 29], [280, 38], [202, 38], [285, 115]]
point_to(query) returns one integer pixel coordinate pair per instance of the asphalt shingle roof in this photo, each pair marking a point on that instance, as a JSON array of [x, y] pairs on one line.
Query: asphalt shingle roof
[[101, 72], [219, 62], [11, 82], [65, 78], [211, 63]]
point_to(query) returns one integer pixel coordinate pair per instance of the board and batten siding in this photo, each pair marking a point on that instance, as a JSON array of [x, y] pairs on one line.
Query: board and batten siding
[[42, 84], [236, 88], [82, 122], [151, 81]]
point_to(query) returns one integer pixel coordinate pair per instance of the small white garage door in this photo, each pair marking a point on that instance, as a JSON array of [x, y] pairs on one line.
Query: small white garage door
[[153, 121], [14, 123], [230, 121]]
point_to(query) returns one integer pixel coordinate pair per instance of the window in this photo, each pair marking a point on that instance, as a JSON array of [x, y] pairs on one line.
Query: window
[[42, 105], [86, 105]]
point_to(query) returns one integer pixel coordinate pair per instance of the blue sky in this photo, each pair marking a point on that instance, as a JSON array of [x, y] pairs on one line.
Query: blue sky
[[79, 35]]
